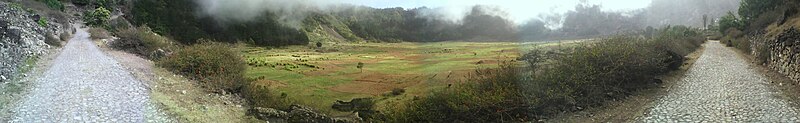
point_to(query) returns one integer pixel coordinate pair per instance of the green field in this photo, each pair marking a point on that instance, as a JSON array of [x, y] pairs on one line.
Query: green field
[[319, 76]]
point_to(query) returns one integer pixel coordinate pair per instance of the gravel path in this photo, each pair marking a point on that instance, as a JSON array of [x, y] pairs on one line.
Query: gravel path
[[85, 85], [721, 87]]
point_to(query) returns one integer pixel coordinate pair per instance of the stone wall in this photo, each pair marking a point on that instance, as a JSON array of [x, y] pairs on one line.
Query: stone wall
[[784, 52]]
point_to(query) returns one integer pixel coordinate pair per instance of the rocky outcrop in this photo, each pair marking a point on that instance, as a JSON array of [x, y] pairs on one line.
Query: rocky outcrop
[[299, 114], [21, 37]]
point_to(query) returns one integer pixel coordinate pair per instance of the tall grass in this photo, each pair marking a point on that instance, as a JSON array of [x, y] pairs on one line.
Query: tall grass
[[583, 76]]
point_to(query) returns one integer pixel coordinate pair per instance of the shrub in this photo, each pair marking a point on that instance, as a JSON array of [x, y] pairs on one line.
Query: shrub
[[64, 36], [493, 96], [729, 21], [731, 35], [99, 33], [42, 22], [54, 4], [82, 2], [52, 40], [741, 44], [752, 9], [261, 96], [214, 65], [398, 91], [763, 20], [98, 17], [764, 53], [142, 41]]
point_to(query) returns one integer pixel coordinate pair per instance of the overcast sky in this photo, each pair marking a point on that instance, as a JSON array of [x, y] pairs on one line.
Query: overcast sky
[[519, 10]]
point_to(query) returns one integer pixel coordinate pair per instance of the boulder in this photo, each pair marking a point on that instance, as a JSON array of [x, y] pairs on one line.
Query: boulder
[[268, 113], [302, 114]]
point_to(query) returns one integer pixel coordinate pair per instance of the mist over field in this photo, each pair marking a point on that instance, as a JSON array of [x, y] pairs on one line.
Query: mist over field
[[399, 61], [560, 19]]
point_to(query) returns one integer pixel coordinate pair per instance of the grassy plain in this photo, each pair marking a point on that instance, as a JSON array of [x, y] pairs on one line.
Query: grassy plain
[[319, 76]]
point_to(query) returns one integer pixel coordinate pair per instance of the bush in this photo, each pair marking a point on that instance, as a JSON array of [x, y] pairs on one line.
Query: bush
[[214, 65], [261, 96], [493, 96], [52, 40], [741, 44], [99, 33], [82, 2], [763, 52], [54, 4], [752, 9], [143, 42], [42, 22], [98, 17], [398, 91], [729, 21], [763, 21], [731, 35], [64, 36]]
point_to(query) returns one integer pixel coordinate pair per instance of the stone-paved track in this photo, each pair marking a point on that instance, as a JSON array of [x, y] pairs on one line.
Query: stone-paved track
[[721, 87], [85, 85]]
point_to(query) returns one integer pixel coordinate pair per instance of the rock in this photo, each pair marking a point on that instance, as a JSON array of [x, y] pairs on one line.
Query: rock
[[302, 114], [658, 81], [354, 104], [267, 113], [20, 38]]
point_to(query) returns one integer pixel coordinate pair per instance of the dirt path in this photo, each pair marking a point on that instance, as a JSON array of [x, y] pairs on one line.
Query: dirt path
[[83, 84], [722, 87]]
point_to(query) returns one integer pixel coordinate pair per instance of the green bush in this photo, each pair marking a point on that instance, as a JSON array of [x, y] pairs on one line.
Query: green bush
[[749, 10], [214, 65], [261, 96], [54, 4], [98, 17], [492, 96], [82, 2], [730, 21], [42, 22]]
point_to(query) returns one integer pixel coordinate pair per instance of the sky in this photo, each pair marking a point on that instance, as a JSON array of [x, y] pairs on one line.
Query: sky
[[519, 11]]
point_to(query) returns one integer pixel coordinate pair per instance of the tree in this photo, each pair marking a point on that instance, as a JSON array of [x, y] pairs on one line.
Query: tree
[[705, 19], [98, 17], [729, 21], [751, 9], [360, 66]]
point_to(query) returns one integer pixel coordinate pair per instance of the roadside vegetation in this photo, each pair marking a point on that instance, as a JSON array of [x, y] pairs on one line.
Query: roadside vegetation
[[213, 64], [758, 22], [586, 75]]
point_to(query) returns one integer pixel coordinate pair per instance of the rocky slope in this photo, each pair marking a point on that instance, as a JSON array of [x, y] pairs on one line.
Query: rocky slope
[[21, 38]]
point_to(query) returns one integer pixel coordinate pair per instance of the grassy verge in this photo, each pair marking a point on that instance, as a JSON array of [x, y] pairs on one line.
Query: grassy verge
[[189, 102]]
